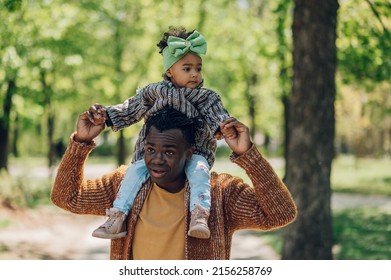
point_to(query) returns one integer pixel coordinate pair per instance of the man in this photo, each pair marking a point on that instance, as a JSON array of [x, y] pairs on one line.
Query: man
[[159, 219]]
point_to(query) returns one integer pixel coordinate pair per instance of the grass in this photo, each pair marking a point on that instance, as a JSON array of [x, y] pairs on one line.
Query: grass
[[4, 223], [3, 248], [362, 234], [365, 175], [358, 234], [24, 192], [349, 175]]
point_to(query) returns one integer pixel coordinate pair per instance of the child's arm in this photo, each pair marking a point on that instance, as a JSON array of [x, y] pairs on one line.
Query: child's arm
[[129, 112], [214, 113]]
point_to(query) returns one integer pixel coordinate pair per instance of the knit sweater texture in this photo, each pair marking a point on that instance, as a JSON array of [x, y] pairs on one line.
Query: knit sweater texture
[[236, 205], [199, 102]]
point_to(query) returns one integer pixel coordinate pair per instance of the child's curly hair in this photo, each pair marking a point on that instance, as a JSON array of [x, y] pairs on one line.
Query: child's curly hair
[[177, 31]]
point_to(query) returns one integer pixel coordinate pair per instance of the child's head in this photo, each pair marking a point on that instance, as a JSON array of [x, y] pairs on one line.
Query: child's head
[[181, 52]]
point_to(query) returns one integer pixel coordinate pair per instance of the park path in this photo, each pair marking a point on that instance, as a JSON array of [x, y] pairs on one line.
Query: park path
[[51, 233]]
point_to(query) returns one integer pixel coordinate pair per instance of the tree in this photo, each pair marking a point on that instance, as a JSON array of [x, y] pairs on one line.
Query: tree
[[311, 124], [75, 53], [364, 64], [285, 65], [10, 63]]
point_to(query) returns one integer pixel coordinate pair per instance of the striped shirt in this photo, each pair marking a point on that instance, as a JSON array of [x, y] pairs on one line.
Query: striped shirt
[[199, 102]]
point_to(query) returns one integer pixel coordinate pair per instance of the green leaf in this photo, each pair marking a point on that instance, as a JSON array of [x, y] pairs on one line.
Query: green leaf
[[13, 5]]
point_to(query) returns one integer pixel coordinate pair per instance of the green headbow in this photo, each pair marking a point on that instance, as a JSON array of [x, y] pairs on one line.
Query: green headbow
[[178, 48]]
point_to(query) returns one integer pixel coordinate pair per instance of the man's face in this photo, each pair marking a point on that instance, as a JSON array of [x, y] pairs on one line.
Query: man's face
[[165, 157]]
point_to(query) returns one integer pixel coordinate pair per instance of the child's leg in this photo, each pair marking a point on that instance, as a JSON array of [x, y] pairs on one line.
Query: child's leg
[[115, 227], [135, 176], [198, 174]]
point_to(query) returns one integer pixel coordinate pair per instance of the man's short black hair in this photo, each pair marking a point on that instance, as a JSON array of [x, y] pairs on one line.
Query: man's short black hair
[[169, 118]]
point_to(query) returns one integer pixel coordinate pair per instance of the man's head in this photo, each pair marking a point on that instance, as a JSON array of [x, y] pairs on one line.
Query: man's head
[[170, 137]]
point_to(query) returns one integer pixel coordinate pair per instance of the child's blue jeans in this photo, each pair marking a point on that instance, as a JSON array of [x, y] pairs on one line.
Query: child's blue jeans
[[197, 172]]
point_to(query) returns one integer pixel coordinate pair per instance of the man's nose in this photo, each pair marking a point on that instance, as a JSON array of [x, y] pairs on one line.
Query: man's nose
[[158, 157]]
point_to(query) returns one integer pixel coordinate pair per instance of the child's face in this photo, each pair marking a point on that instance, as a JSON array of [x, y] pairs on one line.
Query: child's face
[[186, 72]]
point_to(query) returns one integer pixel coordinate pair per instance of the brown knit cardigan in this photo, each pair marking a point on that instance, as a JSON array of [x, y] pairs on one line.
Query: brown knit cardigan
[[235, 205]]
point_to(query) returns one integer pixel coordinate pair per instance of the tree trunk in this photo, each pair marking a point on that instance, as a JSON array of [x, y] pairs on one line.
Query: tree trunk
[[48, 93], [118, 54], [5, 124], [282, 11], [15, 136], [52, 145], [286, 101], [312, 126], [248, 93]]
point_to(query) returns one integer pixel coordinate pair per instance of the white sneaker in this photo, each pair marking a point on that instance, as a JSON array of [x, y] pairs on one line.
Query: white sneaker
[[199, 223], [114, 227]]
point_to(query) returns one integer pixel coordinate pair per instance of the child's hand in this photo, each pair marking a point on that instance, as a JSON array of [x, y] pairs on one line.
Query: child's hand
[[228, 132], [97, 114], [237, 135]]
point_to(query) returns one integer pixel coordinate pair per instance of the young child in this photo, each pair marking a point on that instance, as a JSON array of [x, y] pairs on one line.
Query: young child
[[182, 90]]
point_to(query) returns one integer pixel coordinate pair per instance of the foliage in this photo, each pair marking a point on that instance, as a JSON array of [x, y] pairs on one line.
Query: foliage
[[365, 44], [359, 234], [362, 234], [66, 55], [364, 105], [13, 5], [364, 120], [71, 54], [22, 192], [361, 175]]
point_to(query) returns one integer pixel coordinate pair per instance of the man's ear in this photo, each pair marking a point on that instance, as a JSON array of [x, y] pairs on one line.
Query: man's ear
[[189, 152]]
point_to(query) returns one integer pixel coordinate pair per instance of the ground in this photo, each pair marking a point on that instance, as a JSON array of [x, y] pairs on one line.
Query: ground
[[50, 233]]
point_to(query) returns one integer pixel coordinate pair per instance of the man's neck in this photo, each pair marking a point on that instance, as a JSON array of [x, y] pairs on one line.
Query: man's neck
[[172, 189]]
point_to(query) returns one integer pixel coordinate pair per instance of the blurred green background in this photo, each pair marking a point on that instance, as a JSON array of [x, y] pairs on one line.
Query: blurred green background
[[59, 57]]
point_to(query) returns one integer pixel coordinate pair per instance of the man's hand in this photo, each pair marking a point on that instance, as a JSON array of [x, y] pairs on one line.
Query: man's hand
[[236, 135], [86, 129]]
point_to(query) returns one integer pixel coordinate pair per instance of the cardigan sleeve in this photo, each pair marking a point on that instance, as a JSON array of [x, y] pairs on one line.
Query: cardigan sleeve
[[73, 193], [266, 205]]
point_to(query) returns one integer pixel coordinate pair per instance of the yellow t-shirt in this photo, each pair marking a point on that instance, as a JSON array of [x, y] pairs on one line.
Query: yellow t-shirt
[[160, 229]]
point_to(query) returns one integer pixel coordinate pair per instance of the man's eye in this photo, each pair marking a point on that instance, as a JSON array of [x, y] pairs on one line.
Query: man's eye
[[170, 153], [150, 150]]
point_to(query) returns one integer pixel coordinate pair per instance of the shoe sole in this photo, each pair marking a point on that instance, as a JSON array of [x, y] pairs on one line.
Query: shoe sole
[[110, 236], [199, 233]]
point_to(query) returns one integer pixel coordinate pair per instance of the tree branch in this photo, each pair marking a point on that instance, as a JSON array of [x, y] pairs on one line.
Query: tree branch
[[377, 15]]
